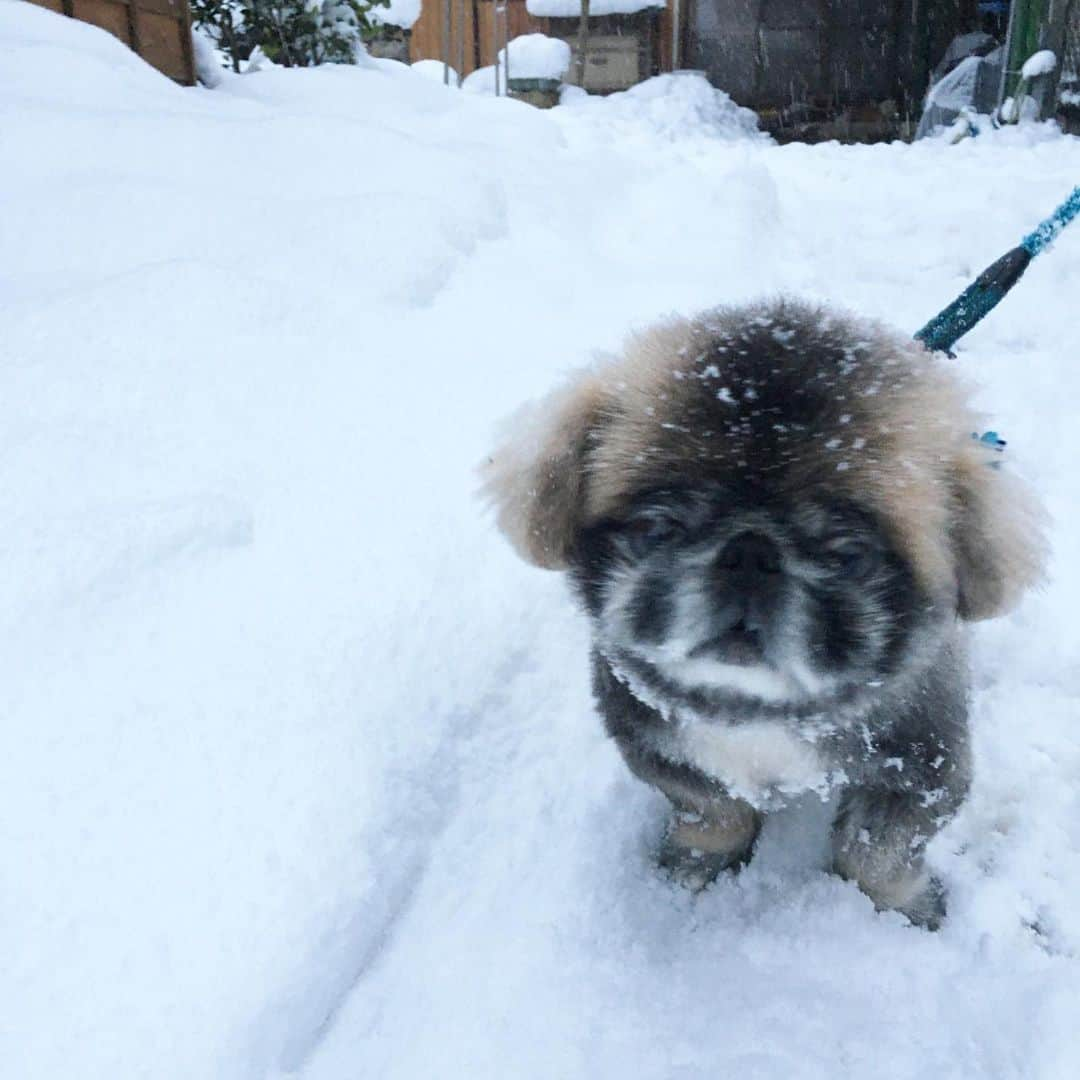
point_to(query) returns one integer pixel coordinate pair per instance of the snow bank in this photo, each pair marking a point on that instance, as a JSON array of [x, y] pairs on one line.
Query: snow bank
[[92, 68], [300, 771], [537, 56], [674, 107], [481, 81], [435, 70]]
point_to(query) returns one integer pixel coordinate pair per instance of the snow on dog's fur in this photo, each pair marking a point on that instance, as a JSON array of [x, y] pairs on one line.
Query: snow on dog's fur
[[776, 518]]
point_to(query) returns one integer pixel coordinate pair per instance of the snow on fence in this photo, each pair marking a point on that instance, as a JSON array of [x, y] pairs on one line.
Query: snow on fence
[[158, 30]]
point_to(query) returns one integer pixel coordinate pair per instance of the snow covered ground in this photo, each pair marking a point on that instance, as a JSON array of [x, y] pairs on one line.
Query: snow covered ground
[[300, 774]]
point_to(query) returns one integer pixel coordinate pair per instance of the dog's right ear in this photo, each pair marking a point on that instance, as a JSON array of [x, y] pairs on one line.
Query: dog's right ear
[[997, 533], [536, 478]]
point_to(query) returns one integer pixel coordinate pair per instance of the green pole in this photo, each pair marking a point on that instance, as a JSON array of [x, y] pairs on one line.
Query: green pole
[[1026, 21]]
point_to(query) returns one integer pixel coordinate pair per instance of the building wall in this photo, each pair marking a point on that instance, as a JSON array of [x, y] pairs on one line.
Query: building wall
[[829, 54]]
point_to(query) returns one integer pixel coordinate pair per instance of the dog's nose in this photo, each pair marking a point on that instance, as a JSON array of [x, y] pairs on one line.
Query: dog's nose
[[749, 555], [747, 588]]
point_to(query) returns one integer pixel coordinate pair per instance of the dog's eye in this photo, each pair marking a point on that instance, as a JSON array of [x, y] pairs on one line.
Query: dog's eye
[[852, 558], [650, 530]]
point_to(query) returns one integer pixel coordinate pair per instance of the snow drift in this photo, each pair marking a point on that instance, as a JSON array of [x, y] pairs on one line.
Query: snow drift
[[300, 772]]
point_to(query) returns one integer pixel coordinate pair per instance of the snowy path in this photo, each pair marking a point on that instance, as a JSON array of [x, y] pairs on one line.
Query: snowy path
[[301, 775]]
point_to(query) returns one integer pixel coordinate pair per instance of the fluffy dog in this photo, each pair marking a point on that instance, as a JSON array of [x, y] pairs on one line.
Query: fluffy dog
[[777, 520]]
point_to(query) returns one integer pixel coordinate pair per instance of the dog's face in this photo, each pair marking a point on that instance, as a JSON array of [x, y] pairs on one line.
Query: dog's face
[[773, 504], [712, 592]]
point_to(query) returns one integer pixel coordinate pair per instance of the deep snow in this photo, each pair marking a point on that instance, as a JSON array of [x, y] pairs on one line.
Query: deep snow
[[301, 774]]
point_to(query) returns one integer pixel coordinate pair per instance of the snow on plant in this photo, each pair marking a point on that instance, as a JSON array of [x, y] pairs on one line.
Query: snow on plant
[[1040, 63], [222, 22], [294, 33]]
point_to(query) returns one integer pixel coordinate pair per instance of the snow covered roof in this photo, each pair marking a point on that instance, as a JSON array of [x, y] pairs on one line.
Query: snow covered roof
[[568, 9], [401, 13]]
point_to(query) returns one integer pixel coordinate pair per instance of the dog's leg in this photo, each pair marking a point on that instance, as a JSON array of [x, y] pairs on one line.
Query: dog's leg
[[705, 838], [878, 842], [709, 831], [906, 791]]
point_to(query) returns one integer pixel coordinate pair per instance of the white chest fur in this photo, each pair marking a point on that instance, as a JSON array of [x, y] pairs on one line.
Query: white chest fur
[[755, 761]]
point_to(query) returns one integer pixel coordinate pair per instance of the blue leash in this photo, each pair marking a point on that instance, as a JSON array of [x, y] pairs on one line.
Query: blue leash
[[990, 287], [1047, 232]]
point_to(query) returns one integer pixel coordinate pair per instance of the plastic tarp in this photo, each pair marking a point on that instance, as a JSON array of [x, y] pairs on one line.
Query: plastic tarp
[[968, 77]]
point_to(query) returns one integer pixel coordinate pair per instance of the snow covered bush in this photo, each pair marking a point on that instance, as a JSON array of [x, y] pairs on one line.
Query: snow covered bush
[[222, 23], [209, 58], [294, 33], [301, 33]]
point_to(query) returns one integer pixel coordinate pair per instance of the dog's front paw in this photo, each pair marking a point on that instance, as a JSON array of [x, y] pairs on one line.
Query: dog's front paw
[[693, 868], [695, 851], [927, 907]]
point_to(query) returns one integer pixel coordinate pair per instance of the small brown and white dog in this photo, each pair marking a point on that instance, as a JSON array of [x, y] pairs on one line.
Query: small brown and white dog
[[777, 521]]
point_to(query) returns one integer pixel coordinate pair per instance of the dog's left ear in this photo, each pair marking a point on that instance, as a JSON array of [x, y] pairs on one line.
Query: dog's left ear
[[996, 533], [536, 478]]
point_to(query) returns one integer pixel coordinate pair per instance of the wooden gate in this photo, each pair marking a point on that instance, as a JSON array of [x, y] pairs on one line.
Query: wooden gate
[[158, 30]]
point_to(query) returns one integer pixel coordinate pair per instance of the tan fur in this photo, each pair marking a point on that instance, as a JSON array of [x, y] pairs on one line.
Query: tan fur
[[997, 527], [727, 825], [535, 479], [903, 447], [889, 878]]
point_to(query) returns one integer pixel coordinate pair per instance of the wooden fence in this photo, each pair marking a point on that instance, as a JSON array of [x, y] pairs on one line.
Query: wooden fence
[[472, 33], [158, 30]]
